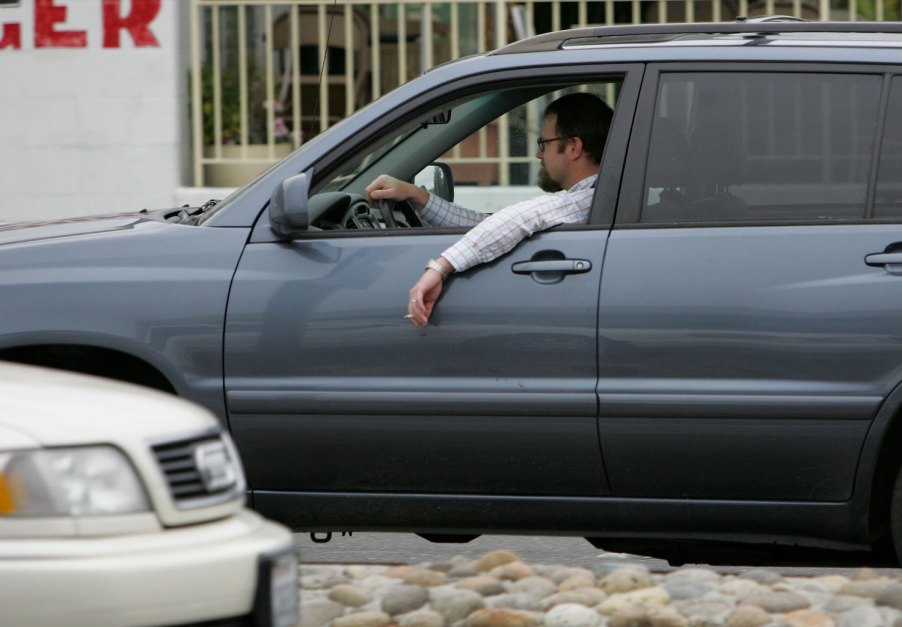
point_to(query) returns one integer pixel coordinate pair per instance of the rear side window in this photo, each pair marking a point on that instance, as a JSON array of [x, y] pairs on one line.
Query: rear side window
[[758, 146], [888, 201]]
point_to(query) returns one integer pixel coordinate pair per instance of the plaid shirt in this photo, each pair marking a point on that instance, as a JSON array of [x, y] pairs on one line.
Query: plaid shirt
[[495, 234]]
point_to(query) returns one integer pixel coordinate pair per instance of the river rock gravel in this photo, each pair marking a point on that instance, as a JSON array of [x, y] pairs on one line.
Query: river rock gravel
[[499, 589]]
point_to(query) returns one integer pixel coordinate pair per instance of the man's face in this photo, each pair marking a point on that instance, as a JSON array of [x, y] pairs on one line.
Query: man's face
[[552, 158]]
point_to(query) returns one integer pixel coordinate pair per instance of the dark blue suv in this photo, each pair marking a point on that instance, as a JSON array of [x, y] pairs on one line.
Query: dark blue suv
[[716, 355]]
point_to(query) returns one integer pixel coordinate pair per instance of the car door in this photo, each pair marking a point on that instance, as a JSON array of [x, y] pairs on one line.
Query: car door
[[749, 325], [330, 389]]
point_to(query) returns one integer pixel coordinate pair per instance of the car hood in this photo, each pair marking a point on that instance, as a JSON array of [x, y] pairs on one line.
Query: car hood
[[19, 232], [42, 407]]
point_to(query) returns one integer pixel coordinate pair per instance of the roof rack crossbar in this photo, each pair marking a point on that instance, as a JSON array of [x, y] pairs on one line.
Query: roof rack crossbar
[[553, 41]]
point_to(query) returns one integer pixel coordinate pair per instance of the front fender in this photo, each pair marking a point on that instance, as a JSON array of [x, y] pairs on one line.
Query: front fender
[[156, 291]]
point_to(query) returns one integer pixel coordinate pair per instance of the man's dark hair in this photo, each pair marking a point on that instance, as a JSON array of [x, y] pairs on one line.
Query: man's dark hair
[[585, 116]]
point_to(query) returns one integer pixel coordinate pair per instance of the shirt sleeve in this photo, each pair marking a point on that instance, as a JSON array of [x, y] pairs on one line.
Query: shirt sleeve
[[440, 212], [500, 232]]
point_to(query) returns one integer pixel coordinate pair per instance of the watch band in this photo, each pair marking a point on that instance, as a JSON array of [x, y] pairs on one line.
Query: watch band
[[432, 264]]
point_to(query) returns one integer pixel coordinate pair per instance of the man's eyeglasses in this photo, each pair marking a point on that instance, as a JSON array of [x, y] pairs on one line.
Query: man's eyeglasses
[[542, 141]]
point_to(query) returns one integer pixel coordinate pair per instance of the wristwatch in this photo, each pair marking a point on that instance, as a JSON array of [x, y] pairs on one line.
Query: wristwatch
[[432, 264]]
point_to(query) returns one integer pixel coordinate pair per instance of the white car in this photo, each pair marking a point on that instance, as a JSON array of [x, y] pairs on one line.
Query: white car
[[124, 506]]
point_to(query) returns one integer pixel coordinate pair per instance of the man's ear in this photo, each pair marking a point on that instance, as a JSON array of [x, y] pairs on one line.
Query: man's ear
[[575, 148]]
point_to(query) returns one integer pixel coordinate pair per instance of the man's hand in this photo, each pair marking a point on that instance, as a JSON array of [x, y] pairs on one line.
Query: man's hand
[[423, 295], [425, 292], [387, 187]]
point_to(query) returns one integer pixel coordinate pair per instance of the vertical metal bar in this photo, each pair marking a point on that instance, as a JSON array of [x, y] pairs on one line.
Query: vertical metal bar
[[217, 85], [824, 10], [323, 49], [662, 11], [583, 13], [716, 14], [269, 73], [500, 23], [426, 61], [504, 122], [690, 11], [483, 46], [402, 43], [609, 12], [853, 9], [881, 5], [197, 122], [556, 15], [769, 7], [242, 79], [744, 7], [797, 7], [454, 9], [375, 53], [504, 160], [482, 143], [533, 124], [480, 27], [637, 12], [350, 68], [297, 112]]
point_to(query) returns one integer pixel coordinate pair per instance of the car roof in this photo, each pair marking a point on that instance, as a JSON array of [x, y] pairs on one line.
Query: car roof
[[771, 30]]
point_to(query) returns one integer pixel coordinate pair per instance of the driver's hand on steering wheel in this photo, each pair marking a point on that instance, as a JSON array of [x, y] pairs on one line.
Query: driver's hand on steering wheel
[[387, 187]]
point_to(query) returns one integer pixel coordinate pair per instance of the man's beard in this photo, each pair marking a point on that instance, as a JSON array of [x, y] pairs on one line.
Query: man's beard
[[546, 183]]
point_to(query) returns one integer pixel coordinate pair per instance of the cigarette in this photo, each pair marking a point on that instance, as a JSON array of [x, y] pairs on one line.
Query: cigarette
[[409, 316]]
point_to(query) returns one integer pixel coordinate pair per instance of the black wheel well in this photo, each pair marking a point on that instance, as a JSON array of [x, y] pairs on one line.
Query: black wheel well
[[888, 464], [101, 362]]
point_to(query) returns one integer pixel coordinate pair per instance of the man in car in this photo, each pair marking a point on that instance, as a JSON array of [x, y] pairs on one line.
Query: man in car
[[578, 125]]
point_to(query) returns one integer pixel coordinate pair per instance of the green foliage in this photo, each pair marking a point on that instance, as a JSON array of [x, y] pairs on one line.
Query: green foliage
[[230, 103], [868, 9]]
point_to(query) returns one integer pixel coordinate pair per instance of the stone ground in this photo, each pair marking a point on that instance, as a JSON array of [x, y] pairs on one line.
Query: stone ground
[[500, 589]]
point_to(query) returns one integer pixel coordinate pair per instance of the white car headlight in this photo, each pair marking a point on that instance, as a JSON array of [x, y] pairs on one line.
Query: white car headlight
[[82, 481]]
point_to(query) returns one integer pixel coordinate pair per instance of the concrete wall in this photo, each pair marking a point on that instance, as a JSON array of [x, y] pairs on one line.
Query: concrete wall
[[93, 107]]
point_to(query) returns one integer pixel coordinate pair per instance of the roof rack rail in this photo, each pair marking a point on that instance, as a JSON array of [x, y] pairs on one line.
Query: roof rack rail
[[641, 32]]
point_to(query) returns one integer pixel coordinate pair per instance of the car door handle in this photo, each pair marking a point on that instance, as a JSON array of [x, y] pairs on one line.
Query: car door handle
[[564, 266], [892, 262]]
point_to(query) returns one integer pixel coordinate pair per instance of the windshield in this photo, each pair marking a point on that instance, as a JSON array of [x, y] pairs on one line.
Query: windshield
[[346, 176]]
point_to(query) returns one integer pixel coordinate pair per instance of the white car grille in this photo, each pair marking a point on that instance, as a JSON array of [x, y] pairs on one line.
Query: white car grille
[[200, 471]]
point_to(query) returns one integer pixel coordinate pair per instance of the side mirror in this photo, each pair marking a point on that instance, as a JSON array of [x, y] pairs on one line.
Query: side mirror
[[437, 179], [288, 207], [442, 117]]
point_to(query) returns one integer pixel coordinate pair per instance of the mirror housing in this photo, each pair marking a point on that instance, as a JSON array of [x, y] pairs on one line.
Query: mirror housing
[[288, 215], [442, 117], [437, 179]]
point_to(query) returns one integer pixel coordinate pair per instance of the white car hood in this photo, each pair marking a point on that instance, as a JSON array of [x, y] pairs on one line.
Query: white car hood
[[77, 409]]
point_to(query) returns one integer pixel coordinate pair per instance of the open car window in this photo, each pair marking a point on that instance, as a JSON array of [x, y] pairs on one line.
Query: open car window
[[486, 143]]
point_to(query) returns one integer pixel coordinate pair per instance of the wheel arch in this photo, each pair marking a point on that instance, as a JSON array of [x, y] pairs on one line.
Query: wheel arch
[[93, 360], [881, 461]]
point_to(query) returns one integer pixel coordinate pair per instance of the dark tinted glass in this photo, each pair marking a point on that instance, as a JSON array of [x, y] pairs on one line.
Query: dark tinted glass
[[761, 147], [888, 203]]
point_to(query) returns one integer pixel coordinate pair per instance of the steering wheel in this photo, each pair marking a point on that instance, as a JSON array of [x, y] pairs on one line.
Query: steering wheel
[[387, 209]]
